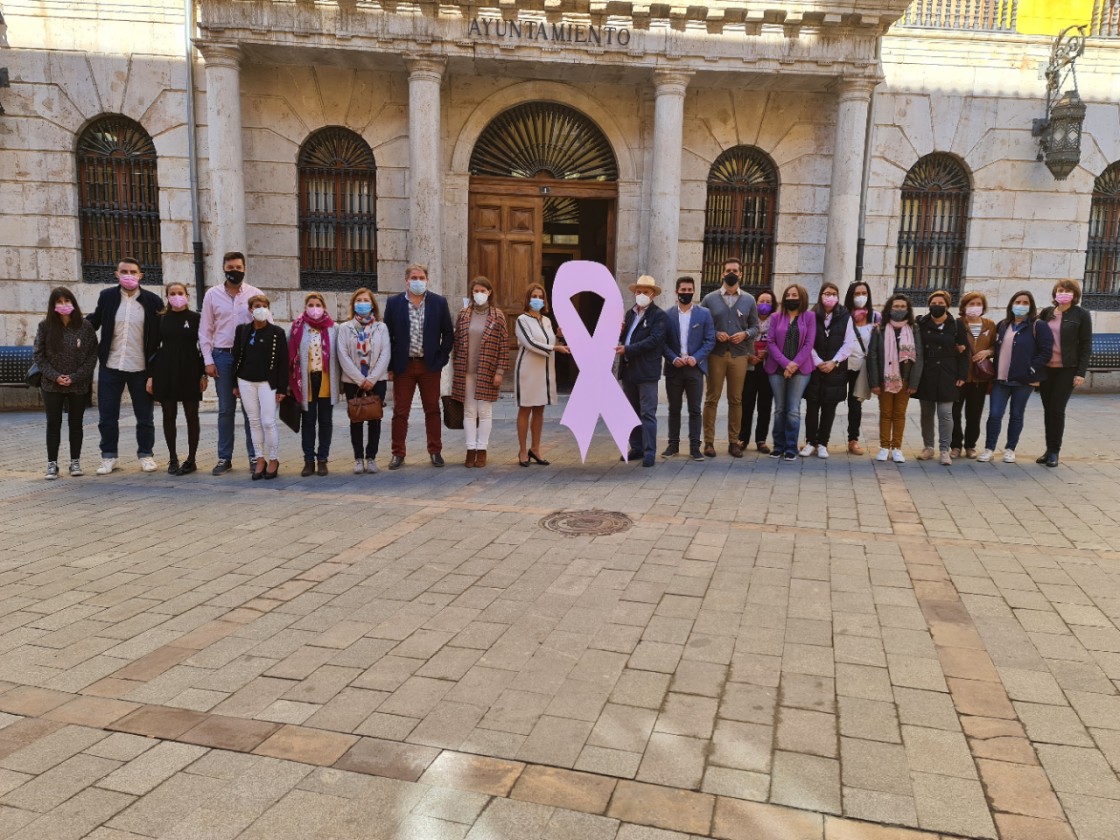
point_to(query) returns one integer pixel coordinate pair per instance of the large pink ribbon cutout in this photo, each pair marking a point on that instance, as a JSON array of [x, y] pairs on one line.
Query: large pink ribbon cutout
[[596, 392]]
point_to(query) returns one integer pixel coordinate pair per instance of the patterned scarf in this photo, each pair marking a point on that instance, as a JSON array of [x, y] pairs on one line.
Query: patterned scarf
[[363, 329], [895, 353], [295, 357]]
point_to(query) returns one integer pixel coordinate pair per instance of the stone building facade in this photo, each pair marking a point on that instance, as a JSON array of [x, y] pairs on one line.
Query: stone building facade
[[438, 95]]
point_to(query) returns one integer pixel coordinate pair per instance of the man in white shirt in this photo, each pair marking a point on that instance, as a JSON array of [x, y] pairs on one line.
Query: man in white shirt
[[127, 317], [689, 338]]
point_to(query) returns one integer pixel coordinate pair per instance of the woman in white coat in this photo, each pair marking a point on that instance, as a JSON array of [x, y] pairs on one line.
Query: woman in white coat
[[363, 344], [535, 380]]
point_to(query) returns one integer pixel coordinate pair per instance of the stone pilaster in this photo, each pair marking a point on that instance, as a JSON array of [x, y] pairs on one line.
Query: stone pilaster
[[425, 239], [665, 175], [853, 101], [226, 162]]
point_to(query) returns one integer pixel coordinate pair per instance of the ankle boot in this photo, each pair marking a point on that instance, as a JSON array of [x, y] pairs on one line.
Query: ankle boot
[[472, 455], [323, 468], [480, 458], [308, 468]]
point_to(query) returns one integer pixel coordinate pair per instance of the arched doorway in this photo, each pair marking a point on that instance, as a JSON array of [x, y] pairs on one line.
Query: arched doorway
[[543, 191]]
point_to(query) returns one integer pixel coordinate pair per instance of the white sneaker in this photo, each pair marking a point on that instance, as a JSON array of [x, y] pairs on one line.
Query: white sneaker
[[359, 466], [1009, 456], [807, 450], [822, 451], [148, 464], [897, 456], [108, 465], [946, 458], [76, 468], [52, 470], [883, 455], [985, 456], [371, 465]]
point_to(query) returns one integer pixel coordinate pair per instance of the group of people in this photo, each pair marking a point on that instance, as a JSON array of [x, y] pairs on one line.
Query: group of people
[[767, 353]]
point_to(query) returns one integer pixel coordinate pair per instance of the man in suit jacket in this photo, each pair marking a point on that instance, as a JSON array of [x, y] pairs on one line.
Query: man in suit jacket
[[689, 338], [128, 318], [641, 348], [421, 336]]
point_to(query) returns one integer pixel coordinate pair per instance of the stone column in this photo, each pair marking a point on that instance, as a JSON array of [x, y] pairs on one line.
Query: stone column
[[665, 175], [425, 240], [226, 162], [853, 100]]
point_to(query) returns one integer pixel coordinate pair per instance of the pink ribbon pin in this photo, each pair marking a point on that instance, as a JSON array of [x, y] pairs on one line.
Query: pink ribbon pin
[[596, 392]]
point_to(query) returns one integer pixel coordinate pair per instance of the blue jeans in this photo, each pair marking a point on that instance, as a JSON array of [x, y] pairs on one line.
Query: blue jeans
[[227, 407], [787, 409], [319, 412], [643, 398], [1002, 393], [110, 388]]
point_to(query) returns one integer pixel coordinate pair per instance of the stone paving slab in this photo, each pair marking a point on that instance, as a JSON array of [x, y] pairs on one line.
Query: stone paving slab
[[830, 649]]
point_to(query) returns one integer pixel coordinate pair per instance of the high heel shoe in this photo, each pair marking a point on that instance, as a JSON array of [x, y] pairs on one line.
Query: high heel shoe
[[524, 463], [533, 456], [273, 473], [256, 474]]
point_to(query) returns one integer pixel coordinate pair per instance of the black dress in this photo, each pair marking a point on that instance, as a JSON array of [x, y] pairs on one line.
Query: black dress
[[177, 367]]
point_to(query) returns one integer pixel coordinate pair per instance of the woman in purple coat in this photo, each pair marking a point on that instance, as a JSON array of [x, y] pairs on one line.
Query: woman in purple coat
[[789, 362]]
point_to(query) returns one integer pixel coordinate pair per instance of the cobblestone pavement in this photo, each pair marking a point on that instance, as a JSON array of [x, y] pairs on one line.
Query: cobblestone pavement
[[826, 650]]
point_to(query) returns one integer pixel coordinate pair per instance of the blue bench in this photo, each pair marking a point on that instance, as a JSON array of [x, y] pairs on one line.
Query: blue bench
[[14, 362], [1106, 352]]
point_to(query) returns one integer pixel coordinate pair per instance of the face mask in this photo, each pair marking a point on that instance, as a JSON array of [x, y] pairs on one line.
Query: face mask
[[642, 301], [480, 298], [859, 313], [129, 281], [314, 312], [64, 308], [791, 303], [235, 277], [898, 315], [418, 287], [1063, 298], [363, 308], [1020, 310], [830, 301], [684, 298], [260, 314], [536, 304], [730, 279], [860, 300], [936, 310], [765, 309], [177, 301], [974, 311]]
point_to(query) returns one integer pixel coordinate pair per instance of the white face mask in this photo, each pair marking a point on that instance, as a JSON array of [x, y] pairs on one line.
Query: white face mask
[[260, 314], [860, 300], [480, 298], [642, 300]]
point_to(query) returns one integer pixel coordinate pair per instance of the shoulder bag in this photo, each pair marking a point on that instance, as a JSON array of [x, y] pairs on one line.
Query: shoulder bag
[[983, 370], [363, 407]]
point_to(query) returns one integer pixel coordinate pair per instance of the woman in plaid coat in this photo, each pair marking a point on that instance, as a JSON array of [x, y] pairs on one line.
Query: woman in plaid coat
[[478, 363]]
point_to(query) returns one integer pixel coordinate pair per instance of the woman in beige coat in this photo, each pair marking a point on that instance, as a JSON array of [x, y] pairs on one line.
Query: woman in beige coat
[[535, 380]]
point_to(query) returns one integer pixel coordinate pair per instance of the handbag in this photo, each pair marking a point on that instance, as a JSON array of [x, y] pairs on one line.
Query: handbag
[[290, 413], [363, 407], [34, 377], [452, 412], [983, 370]]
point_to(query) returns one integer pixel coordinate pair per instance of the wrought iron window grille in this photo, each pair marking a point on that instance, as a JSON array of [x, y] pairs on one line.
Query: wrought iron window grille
[[1101, 284], [933, 229]]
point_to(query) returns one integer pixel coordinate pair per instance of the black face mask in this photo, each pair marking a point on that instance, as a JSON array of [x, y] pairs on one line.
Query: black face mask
[[898, 314], [730, 279], [685, 298], [791, 303], [235, 277], [936, 310]]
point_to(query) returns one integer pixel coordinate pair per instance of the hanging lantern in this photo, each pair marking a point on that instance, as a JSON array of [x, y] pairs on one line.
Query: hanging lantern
[[1059, 132]]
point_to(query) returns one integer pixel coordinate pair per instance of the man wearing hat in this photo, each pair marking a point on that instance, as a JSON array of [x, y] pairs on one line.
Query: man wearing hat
[[641, 347]]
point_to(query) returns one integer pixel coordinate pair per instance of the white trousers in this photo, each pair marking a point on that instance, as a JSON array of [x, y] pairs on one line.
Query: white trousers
[[259, 401], [478, 419]]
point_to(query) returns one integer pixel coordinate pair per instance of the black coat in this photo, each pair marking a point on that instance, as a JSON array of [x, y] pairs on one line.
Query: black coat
[[278, 371], [830, 387], [1076, 337], [177, 366], [642, 360], [942, 363], [104, 318]]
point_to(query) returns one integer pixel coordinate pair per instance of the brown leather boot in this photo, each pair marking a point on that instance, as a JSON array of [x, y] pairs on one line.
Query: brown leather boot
[[308, 469], [323, 468], [480, 458], [472, 454]]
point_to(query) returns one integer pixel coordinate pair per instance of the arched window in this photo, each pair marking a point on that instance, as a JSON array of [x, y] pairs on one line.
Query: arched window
[[1101, 288], [118, 198], [337, 211], [739, 217], [933, 232]]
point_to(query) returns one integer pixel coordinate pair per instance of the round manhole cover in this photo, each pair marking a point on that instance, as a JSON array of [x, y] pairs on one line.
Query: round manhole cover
[[584, 523]]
